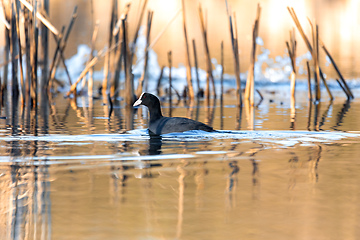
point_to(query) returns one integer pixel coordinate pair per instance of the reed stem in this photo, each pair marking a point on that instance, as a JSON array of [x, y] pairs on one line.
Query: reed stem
[[107, 64], [208, 58], [22, 85], [196, 70], [34, 54], [307, 43], [170, 80], [159, 81], [61, 45], [309, 81], [235, 50], [144, 75], [222, 71], [292, 54], [249, 90], [346, 87], [93, 41], [129, 80], [188, 64], [41, 17], [14, 52]]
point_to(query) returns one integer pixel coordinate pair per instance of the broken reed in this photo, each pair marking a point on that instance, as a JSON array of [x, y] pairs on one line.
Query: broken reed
[[60, 48], [118, 58], [342, 83], [122, 53], [314, 53]]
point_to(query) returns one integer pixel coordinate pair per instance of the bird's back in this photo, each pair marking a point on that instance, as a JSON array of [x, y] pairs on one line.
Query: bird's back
[[166, 125]]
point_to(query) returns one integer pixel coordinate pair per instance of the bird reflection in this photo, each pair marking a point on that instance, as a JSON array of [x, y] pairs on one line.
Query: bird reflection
[[153, 147], [155, 143], [119, 176]]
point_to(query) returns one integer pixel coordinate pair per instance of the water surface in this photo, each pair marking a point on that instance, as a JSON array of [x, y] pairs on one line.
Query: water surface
[[82, 177]]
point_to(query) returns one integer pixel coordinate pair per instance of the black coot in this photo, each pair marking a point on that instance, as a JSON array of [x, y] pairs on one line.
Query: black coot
[[162, 125]]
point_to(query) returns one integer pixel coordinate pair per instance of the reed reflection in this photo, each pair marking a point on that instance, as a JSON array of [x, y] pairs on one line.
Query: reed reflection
[[341, 115], [309, 115], [238, 117], [129, 117], [231, 185], [117, 115], [316, 116], [14, 112], [250, 114], [312, 162], [44, 113], [25, 198], [210, 113], [181, 168], [232, 176], [315, 164], [325, 115]]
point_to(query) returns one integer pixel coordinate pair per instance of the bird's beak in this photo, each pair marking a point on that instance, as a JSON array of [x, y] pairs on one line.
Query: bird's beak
[[137, 103]]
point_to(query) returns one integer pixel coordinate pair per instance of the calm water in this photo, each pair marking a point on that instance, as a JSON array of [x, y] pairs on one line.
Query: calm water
[[88, 178]]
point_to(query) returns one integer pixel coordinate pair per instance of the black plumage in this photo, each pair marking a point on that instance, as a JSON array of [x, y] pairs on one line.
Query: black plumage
[[159, 124]]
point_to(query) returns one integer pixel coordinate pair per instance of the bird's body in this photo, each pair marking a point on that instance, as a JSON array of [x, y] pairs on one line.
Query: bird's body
[[159, 124], [166, 125]]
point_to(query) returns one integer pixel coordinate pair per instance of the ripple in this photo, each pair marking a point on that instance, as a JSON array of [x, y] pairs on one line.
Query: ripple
[[288, 138]]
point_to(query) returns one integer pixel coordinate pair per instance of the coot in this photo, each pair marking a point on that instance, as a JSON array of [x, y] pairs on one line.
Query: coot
[[161, 125]]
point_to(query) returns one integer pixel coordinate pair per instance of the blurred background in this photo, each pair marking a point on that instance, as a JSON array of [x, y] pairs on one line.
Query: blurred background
[[338, 22]]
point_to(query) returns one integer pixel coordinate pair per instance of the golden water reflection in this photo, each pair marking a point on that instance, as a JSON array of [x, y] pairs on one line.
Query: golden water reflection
[[78, 175], [25, 202], [226, 190]]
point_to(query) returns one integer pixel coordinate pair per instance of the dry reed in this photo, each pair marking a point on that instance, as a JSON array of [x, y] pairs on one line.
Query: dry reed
[[188, 64], [200, 90], [235, 50], [292, 54], [210, 77], [310, 48], [170, 80], [249, 90], [144, 75], [37, 26]]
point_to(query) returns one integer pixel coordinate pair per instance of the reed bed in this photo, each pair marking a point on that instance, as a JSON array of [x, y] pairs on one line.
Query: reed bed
[[30, 47]]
